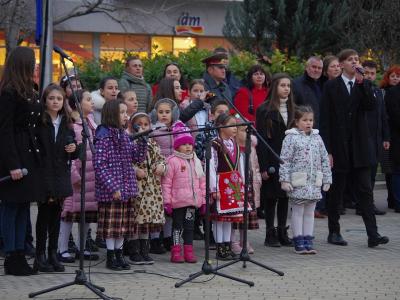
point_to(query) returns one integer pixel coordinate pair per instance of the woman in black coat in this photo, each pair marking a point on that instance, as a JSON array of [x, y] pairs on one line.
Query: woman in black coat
[[20, 113], [58, 140], [273, 118], [392, 101]]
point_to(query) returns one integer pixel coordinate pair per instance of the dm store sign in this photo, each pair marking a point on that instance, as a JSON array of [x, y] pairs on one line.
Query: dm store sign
[[189, 25]]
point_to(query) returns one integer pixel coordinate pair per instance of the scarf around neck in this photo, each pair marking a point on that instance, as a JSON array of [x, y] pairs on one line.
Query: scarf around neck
[[197, 163]]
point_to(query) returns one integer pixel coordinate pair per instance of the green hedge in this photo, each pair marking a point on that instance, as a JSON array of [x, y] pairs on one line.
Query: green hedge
[[92, 71]]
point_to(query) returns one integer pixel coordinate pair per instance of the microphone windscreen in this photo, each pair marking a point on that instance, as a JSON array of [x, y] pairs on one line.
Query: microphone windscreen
[[24, 172]]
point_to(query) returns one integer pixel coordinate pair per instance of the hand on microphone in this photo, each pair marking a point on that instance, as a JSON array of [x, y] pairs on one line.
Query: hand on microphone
[[16, 174], [326, 187], [286, 186]]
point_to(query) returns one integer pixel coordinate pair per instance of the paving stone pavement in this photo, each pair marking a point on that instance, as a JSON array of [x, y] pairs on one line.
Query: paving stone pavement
[[352, 272]]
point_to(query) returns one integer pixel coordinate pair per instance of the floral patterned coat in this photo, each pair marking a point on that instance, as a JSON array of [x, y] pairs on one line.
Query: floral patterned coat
[[306, 164]]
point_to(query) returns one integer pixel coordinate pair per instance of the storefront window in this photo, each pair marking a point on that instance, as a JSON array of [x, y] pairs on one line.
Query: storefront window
[[115, 46], [175, 45], [183, 44]]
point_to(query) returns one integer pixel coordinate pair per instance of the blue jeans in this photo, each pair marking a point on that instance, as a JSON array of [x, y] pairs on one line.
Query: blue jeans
[[13, 220]]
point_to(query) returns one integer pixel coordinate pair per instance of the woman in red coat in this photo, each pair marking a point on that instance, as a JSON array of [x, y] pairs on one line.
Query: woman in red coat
[[250, 96]]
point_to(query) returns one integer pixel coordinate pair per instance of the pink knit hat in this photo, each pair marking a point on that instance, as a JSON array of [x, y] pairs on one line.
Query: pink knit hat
[[181, 138]]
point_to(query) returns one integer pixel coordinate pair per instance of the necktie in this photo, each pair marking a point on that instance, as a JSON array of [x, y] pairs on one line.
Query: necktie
[[350, 83]]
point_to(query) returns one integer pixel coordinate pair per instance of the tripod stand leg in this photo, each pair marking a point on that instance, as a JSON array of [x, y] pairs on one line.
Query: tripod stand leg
[[280, 273], [227, 264], [250, 283], [54, 288], [190, 278], [100, 288], [95, 290]]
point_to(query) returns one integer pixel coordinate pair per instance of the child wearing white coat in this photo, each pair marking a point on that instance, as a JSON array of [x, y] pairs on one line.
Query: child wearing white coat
[[305, 170]]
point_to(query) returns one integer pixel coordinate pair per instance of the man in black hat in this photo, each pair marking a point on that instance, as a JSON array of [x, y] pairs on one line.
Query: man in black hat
[[215, 75], [230, 79]]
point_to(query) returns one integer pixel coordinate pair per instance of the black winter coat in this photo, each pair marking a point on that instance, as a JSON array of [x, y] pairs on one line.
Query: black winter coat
[[392, 101], [19, 121], [307, 91], [57, 162], [378, 128], [272, 186], [222, 89], [343, 124]]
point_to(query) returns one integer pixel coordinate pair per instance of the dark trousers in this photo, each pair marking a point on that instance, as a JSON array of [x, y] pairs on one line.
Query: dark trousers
[[13, 220], [281, 206], [48, 223], [362, 187], [396, 187], [183, 220]]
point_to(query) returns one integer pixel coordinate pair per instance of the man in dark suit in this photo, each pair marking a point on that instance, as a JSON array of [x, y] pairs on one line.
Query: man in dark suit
[[344, 130]]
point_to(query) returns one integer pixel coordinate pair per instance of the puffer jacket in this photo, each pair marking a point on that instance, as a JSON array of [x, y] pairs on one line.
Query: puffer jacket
[[72, 204], [141, 88], [181, 187], [113, 164], [306, 164]]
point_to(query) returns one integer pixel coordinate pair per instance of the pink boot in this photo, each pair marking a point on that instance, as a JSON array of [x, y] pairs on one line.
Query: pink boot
[[176, 254], [188, 252]]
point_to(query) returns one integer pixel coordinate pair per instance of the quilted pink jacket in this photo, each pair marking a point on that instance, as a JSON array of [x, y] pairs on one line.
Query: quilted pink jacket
[[181, 187], [72, 204]]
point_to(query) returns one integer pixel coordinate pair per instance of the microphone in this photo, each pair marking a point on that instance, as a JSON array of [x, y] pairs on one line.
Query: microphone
[[143, 133], [69, 140], [6, 178], [271, 170], [62, 53], [359, 70]]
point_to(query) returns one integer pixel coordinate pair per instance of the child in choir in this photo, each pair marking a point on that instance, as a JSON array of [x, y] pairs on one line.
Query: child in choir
[[130, 99], [183, 190], [254, 188], [163, 116], [58, 139], [71, 207], [226, 185], [148, 208], [115, 179], [305, 170]]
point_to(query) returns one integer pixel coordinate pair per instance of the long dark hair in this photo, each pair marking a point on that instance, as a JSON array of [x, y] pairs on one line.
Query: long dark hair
[[110, 114], [64, 111], [18, 72], [182, 81], [255, 69], [166, 89], [273, 102]]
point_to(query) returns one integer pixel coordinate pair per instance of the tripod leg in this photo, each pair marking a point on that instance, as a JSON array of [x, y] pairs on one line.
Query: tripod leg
[[100, 288], [190, 278], [227, 264], [280, 273], [96, 291], [54, 288], [250, 283]]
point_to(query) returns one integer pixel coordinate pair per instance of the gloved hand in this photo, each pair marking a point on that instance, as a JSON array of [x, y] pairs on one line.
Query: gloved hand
[[202, 210], [326, 187], [286, 186], [168, 209]]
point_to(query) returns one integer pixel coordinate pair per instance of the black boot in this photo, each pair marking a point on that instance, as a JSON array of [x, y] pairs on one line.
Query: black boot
[[156, 247], [41, 264], [90, 244], [167, 242], [53, 260], [283, 236], [134, 252], [24, 264], [229, 253], [221, 253], [271, 239], [121, 260], [144, 252], [13, 266], [112, 263]]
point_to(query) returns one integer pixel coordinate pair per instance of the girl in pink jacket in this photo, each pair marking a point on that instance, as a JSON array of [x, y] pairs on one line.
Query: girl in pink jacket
[[183, 188]]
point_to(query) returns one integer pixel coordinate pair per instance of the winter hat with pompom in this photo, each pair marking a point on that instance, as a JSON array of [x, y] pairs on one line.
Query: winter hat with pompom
[[183, 137]]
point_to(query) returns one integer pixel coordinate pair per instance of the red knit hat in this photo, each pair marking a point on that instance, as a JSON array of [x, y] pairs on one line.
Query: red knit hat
[[181, 138]]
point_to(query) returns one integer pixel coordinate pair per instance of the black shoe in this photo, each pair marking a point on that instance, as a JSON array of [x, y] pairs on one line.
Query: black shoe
[[336, 239], [283, 237], [134, 252], [144, 252], [221, 253], [72, 248], [112, 263], [41, 264], [271, 238], [24, 264], [66, 259], [53, 260], [378, 240], [90, 245], [87, 255], [13, 266], [121, 260], [101, 243], [229, 253], [156, 247]]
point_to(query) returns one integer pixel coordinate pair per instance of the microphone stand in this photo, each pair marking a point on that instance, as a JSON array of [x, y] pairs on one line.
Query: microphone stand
[[80, 278]]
